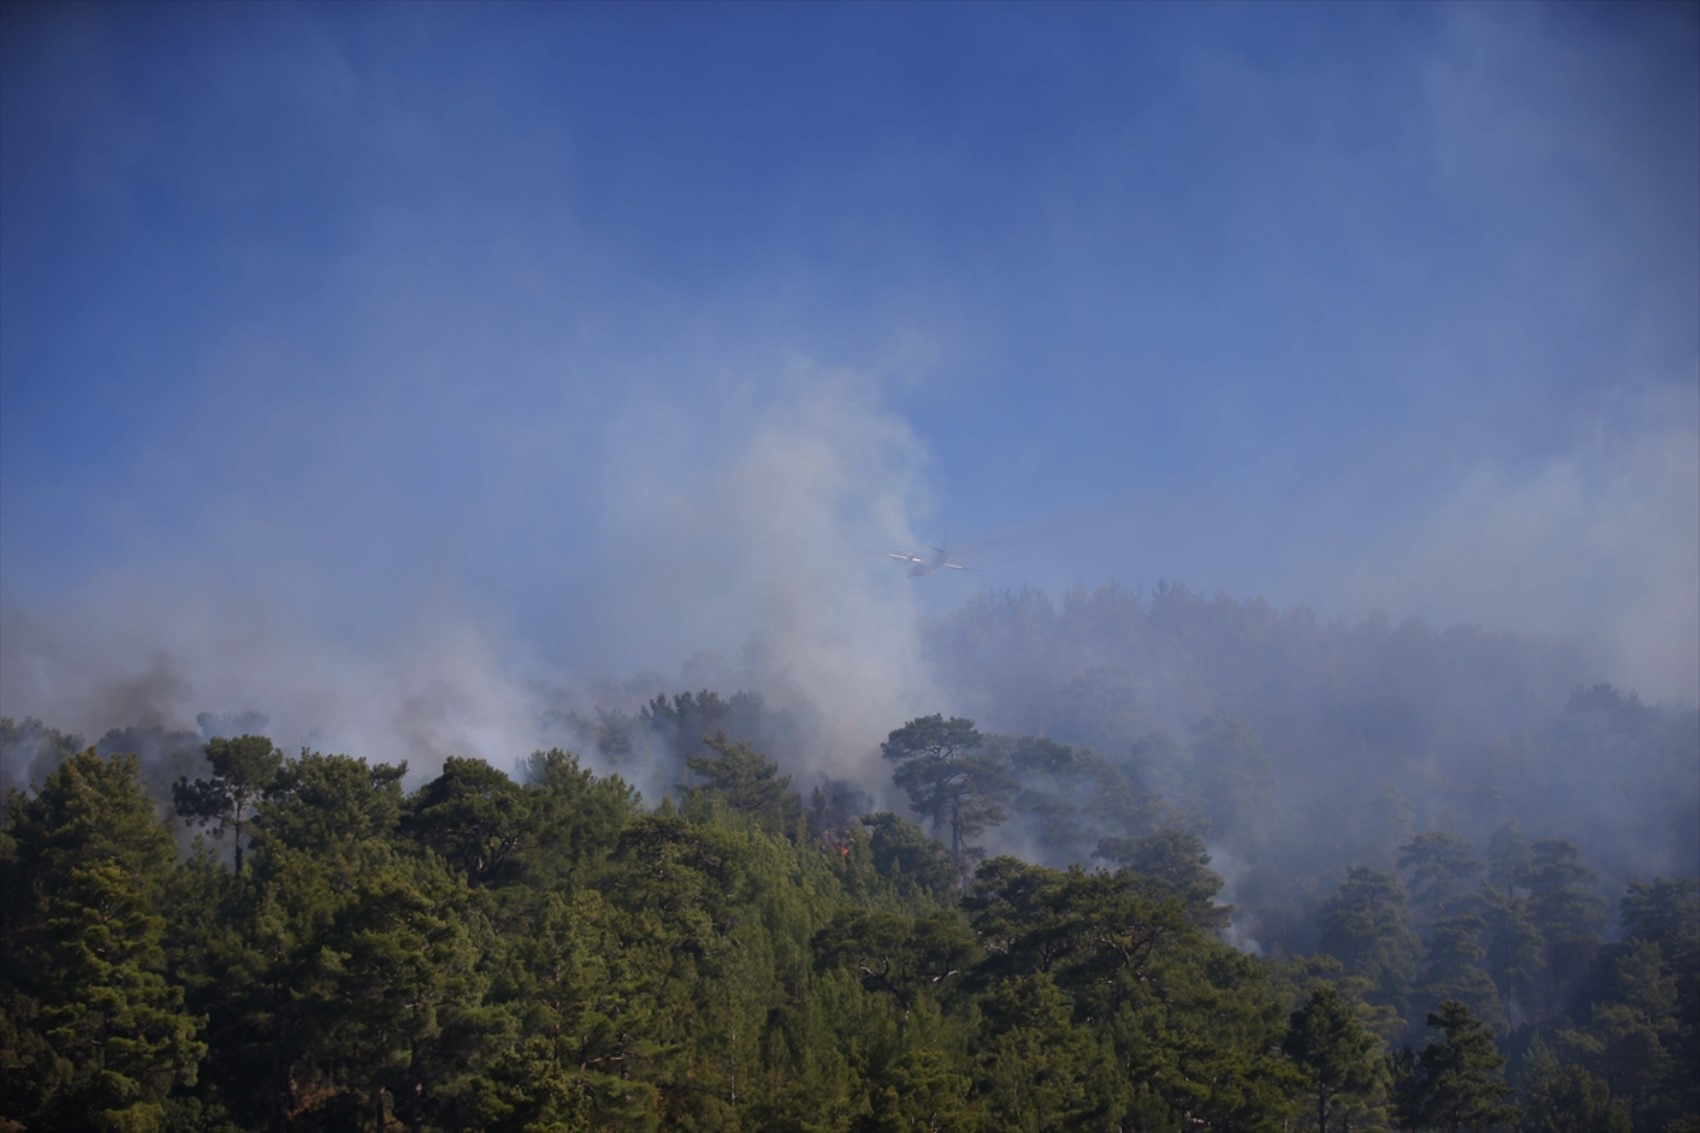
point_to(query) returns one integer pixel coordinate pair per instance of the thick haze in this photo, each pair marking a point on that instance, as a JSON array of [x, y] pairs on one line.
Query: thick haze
[[399, 371]]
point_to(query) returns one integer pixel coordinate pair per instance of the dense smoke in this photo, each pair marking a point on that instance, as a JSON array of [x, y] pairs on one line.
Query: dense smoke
[[519, 425], [745, 552], [761, 535]]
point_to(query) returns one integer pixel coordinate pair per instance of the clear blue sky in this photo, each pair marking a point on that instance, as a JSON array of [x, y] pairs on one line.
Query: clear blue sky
[[355, 308]]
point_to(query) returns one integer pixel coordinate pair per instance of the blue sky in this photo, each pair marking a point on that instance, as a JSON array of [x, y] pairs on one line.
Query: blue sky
[[352, 312]]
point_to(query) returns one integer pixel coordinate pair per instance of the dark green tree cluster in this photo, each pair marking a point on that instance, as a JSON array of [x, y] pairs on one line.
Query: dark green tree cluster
[[93, 1035], [540, 951], [1510, 947]]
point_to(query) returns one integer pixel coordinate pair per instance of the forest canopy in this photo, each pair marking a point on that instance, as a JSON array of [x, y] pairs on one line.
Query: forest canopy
[[1197, 865]]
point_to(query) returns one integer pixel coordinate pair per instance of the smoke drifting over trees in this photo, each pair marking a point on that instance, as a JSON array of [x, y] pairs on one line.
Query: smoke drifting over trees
[[449, 468], [750, 553]]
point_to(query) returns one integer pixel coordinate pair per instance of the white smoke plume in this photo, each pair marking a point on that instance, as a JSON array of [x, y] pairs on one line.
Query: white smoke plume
[[753, 521]]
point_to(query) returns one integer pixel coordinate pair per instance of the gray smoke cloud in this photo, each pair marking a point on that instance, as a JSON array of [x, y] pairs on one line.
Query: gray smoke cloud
[[1600, 538], [751, 522], [152, 656]]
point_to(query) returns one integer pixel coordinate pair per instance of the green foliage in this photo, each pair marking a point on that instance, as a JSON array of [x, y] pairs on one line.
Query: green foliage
[[1173, 864], [1037, 1070], [913, 863], [1451, 970], [1514, 955], [474, 816], [1367, 927], [1635, 1035], [906, 958], [748, 783], [1455, 1082], [575, 818], [1335, 1052], [1191, 1019], [1565, 1098], [949, 778], [1564, 907], [243, 771], [541, 953], [1441, 867], [331, 804], [96, 1034]]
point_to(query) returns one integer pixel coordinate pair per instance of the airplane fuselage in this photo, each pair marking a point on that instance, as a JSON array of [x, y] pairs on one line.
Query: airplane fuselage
[[919, 568]]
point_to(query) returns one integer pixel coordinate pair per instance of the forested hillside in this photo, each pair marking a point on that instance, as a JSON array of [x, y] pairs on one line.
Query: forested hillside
[[1180, 863]]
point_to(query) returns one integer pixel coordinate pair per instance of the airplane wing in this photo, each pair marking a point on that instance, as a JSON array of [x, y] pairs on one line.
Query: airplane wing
[[903, 558], [959, 566]]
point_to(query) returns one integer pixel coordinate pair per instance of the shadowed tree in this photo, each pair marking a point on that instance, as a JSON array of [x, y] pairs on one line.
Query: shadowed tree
[[1452, 970], [907, 857], [949, 779], [1634, 1035], [1173, 864], [1441, 867], [1565, 908], [748, 783], [1455, 1083], [106, 1036], [243, 770], [1564, 1097], [1366, 926], [1333, 1049], [1508, 858], [1513, 957], [474, 816]]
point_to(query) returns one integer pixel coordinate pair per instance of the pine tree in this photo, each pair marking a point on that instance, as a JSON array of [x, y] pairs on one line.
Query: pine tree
[[1173, 864], [924, 1083], [474, 816], [1334, 1051], [1558, 1097], [1508, 858], [1455, 1083], [1366, 926], [1441, 868], [1513, 955], [1565, 908], [576, 818], [1451, 970], [332, 805], [905, 857], [747, 782], [109, 1037], [243, 770], [1037, 1069], [949, 779]]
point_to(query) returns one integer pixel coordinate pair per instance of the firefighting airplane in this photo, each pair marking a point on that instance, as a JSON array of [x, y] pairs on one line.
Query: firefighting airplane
[[919, 567]]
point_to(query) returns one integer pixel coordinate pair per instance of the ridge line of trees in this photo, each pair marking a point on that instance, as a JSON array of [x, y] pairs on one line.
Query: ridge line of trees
[[486, 952]]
